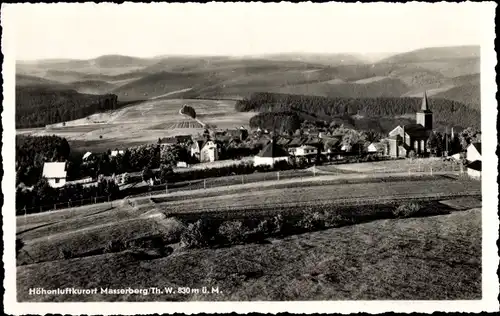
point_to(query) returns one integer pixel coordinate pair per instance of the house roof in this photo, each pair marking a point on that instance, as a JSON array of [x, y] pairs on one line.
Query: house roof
[[378, 145], [313, 140], [331, 143], [478, 147], [475, 165], [87, 154], [283, 141], [416, 131], [54, 170], [183, 138], [297, 141], [273, 150], [168, 140]]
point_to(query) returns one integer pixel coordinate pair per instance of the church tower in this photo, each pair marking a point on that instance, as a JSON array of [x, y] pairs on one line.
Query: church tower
[[424, 116]]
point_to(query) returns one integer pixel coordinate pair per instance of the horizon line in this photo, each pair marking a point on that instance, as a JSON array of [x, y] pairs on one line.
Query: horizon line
[[389, 53]]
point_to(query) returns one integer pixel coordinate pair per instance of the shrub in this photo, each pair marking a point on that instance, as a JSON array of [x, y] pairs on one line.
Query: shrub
[[277, 224], [114, 246], [312, 221], [233, 231], [174, 229], [334, 220], [199, 234], [407, 209]]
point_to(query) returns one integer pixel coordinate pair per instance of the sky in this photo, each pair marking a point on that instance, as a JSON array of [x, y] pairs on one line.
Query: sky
[[84, 31]]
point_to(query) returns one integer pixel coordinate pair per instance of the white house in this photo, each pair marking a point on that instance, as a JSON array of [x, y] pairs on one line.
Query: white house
[[115, 153], [182, 164], [474, 152], [86, 155], [55, 173], [303, 150], [271, 154], [457, 156], [377, 147], [474, 169], [205, 151]]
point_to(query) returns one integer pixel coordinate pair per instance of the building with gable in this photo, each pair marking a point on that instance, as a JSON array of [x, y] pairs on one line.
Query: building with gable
[[406, 138], [55, 173], [271, 154], [205, 150]]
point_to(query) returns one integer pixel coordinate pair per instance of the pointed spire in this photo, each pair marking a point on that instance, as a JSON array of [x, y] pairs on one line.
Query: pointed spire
[[425, 105]]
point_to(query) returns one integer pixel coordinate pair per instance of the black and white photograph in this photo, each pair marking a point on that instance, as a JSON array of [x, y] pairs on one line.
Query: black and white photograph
[[314, 157]]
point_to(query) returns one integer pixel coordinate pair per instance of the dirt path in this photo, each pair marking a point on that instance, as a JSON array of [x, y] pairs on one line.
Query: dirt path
[[170, 93]]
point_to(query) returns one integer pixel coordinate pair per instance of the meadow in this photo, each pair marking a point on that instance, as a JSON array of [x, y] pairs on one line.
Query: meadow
[[435, 257], [143, 123]]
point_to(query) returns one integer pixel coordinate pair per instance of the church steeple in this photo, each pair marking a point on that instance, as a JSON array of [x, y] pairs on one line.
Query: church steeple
[[424, 116], [425, 106]]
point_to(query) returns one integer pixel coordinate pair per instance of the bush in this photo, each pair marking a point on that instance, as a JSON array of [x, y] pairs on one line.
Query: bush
[[199, 234], [114, 246], [174, 229], [277, 224], [312, 221], [334, 220], [407, 209], [233, 231]]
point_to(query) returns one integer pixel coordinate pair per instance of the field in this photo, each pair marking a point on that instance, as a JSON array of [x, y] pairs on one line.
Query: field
[[327, 264], [144, 123], [321, 194], [417, 258], [399, 165]]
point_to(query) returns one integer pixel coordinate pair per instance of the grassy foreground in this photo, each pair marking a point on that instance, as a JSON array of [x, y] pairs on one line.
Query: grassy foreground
[[436, 257]]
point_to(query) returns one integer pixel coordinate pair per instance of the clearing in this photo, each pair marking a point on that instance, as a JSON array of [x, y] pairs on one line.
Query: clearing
[[144, 123]]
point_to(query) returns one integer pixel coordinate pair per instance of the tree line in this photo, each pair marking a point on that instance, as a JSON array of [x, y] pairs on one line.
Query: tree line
[[40, 106], [448, 112], [44, 196], [33, 152]]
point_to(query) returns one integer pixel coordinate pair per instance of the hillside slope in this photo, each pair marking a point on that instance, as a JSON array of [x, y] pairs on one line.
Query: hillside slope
[[445, 72], [379, 114], [38, 106]]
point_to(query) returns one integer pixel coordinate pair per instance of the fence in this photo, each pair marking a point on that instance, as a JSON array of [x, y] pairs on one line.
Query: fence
[[63, 205], [225, 181]]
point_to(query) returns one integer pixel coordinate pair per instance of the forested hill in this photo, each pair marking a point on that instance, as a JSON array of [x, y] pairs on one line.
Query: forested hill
[[366, 113], [37, 106]]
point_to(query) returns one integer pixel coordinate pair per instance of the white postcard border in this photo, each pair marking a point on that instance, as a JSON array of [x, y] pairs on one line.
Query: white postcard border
[[490, 223]]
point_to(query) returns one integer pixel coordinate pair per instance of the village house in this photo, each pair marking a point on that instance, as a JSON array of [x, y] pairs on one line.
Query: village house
[[332, 146], [406, 138], [205, 150], [303, 151], [175, 140], [115, 153], [474, 169], [238, 133], [55, 173], [474, 152], [86, 156], [377, 148], [271, 154]]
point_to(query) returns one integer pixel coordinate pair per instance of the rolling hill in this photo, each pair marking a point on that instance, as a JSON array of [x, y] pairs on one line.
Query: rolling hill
[[380, 114], [445, 72], [434, 54]]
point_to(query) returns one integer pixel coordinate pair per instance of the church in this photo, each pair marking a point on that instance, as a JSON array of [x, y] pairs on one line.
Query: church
[[406, 138]]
